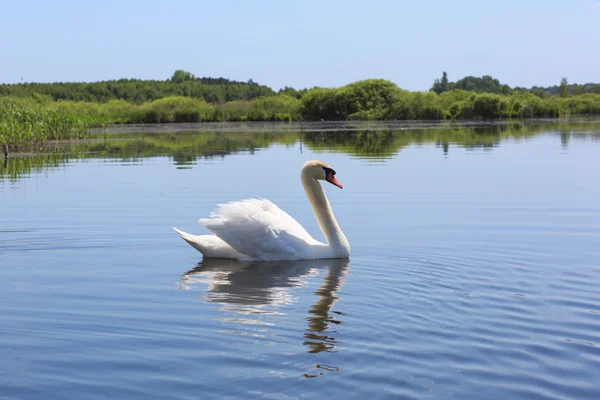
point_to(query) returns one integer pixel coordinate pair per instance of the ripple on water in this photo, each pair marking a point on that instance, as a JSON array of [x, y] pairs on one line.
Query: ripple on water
[[498, 317]]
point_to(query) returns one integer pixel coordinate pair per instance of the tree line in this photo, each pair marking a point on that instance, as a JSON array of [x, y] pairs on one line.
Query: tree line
[[182, 83], [221, 90], [488, 84]]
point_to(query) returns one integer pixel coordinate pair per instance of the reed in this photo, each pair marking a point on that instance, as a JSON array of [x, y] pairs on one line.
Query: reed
[[21, 124]]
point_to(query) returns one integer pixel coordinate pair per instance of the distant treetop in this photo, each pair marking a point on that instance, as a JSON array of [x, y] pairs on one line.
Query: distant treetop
[[182, 76], [485, 84]]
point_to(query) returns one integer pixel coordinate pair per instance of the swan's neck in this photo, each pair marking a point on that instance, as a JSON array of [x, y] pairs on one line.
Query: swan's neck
[[322, 209]]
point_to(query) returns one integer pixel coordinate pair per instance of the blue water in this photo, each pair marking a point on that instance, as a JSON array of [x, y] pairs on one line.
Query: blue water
[[474, 274]]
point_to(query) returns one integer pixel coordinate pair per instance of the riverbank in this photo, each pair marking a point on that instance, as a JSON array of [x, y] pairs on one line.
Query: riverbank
[[337, 126], [369, 100], [374, 101]]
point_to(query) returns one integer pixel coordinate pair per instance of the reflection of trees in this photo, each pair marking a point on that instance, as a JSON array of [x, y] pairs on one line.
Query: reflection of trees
[[15, 167], [367, 143], [184, 148], [386, 143], [187, 148], [564, 139]]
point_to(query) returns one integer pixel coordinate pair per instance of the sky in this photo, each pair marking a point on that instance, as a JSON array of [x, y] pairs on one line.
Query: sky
[[306, 43]]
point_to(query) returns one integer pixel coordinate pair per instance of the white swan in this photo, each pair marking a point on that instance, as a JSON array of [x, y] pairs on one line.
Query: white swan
[[256, 229]]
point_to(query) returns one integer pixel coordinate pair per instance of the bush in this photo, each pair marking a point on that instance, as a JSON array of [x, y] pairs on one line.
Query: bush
[[487, 106], [368, 99]]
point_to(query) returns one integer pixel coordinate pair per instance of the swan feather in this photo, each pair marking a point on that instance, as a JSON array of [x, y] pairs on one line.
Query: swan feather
[[259, 230]]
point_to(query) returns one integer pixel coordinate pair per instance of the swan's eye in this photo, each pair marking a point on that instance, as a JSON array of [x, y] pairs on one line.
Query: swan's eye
[[328, 171], [330, 177]]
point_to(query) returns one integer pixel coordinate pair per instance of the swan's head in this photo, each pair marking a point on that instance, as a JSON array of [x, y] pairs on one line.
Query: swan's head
[[321, 171]]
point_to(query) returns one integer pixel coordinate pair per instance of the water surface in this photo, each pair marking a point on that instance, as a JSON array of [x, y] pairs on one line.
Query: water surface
[[474, 270]]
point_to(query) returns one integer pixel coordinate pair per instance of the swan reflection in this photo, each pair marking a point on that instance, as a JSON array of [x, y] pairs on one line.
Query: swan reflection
[[260, 288]]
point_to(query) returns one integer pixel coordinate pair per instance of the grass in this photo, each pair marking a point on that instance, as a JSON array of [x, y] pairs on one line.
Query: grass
[[21, 124]]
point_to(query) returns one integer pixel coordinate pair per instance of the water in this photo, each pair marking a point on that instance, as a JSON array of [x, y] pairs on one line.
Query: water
[[474, 270]]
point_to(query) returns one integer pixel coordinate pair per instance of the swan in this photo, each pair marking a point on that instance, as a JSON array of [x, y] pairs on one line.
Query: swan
[[258, 230]]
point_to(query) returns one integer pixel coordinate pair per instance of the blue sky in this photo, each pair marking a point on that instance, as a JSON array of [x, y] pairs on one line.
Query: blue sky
[[302, 43]]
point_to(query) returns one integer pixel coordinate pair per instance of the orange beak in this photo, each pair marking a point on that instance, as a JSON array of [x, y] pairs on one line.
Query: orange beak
[[331, 179]]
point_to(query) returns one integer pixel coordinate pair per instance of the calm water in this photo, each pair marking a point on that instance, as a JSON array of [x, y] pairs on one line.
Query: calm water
[[474, 271]]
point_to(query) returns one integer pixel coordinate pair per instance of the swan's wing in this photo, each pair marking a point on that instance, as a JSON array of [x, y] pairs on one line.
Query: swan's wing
[[260, 230], [210, 246]]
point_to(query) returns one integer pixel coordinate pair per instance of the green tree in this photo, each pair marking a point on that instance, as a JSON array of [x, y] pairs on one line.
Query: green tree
[[290, 91], [444, 82], [564, 88], [485, 84], [182, 76], [440, 86]]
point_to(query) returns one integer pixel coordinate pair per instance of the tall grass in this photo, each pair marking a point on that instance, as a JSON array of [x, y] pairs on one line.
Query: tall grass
[[20, 124], [169, 109]]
